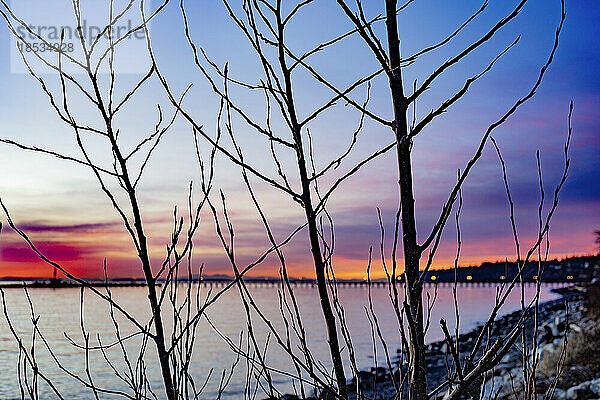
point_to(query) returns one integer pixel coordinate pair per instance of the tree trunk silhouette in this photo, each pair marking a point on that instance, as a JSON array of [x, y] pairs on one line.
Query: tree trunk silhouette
[[412, 253], [311, 218]]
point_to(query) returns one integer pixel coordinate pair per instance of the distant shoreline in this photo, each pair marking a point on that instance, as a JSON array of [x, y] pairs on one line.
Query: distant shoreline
[[571, 270], [51, 284]]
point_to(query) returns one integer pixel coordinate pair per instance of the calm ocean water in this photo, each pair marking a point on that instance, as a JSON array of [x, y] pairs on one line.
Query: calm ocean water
[[59, 315]]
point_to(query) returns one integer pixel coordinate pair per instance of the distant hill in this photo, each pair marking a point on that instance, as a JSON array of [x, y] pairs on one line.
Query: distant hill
[[572, 269]]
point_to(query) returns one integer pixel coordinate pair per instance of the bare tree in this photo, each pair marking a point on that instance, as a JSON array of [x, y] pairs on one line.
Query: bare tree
[[264, 26], [118, 179], [313, 182], [393, 64]]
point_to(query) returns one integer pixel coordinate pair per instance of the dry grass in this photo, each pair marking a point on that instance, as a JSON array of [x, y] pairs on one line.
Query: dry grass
[[581, 361]]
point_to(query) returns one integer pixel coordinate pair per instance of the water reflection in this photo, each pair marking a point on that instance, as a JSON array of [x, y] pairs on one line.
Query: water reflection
[[60, 316]]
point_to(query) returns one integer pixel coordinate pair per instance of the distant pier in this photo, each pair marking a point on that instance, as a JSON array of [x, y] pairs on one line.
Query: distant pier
[[348, 283]]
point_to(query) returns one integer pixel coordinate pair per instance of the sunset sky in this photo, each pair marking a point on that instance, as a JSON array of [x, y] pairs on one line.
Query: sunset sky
[[60, 206]]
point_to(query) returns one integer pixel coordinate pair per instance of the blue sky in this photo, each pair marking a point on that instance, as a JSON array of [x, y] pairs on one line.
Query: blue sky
[[65, 211]]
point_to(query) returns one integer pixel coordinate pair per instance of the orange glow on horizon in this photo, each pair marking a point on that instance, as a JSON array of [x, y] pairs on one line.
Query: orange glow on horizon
[[121, 266], [82, 254]]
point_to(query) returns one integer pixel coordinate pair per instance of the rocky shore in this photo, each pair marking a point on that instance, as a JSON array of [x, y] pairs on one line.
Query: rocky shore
[[576, 381]]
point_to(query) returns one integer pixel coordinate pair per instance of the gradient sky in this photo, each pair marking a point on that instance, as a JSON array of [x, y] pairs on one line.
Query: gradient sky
[[62, 209]]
